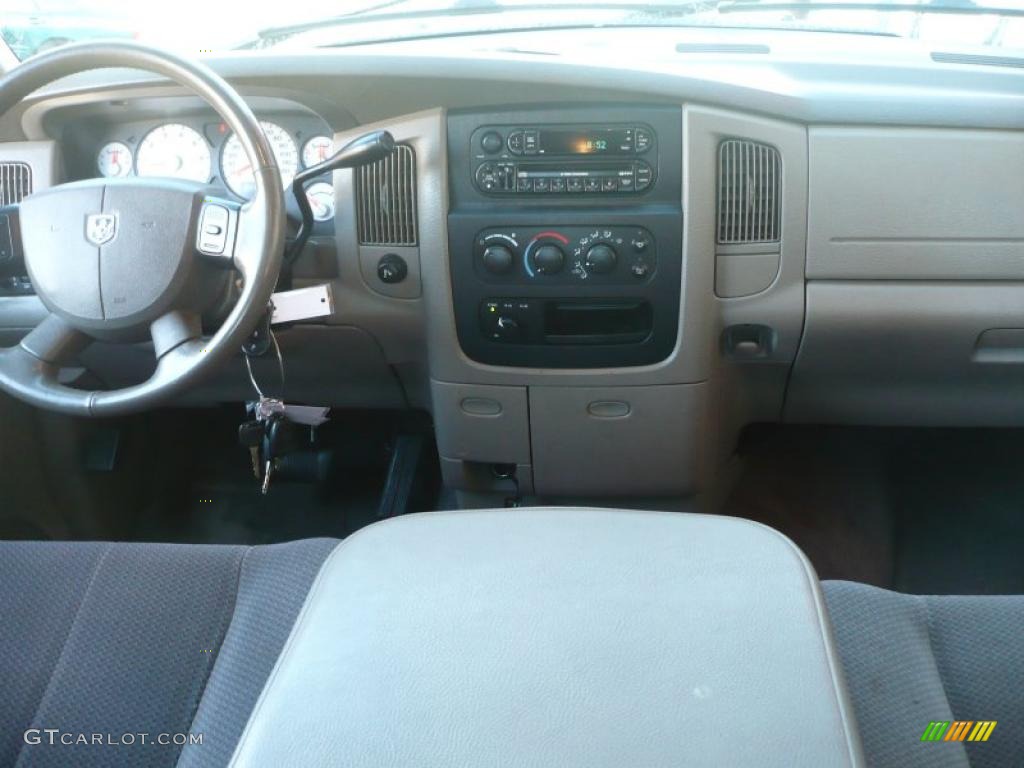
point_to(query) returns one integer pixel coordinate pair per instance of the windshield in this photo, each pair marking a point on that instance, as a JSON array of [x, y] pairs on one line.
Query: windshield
[[200, 26]]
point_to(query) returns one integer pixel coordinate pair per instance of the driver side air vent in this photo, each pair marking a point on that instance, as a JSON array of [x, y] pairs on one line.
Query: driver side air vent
[[749, 176], [15, 182], [386, 199]]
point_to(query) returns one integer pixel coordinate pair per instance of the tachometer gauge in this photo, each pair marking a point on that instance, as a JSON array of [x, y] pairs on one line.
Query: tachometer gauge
[[235, 167], [321, 200], [114, 159], [316, 150], [176, 151]]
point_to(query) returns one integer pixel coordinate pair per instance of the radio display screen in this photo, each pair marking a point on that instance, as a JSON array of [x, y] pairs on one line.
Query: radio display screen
[[608, 141]]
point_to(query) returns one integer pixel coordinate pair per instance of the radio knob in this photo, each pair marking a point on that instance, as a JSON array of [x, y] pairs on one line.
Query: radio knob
[[491, 142], [548, 259], [601, 259], [498, 259]]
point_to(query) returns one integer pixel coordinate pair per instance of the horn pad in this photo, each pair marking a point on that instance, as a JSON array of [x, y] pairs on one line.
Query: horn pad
[[111, 254]]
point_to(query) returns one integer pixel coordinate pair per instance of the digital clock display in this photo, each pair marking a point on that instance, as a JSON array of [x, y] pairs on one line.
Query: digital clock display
[[610, 141]]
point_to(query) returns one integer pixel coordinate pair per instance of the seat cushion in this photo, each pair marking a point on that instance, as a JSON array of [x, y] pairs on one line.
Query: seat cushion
[[117, 639], [910, 660]]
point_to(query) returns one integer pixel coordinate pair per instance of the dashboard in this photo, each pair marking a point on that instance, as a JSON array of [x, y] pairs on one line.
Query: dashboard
[[593, 274]]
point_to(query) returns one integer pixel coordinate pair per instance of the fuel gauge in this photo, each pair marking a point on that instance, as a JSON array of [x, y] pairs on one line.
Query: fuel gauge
[[321, 200], [114, 159]]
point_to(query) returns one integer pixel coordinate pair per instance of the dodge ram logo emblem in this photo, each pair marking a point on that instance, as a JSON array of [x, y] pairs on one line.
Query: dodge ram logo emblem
[[100, 228]]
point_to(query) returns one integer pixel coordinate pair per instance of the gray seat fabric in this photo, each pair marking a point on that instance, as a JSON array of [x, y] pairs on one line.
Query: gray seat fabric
[[912, 659], [140, 638], [146, 638]]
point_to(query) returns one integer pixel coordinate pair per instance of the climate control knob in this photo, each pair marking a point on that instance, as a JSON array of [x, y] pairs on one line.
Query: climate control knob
[[498, 259], [548, 259], [601, 259]]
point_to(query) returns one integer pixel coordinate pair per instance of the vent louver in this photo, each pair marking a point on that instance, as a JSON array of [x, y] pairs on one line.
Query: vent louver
[[15, 182], [749, 175], [386, 194]]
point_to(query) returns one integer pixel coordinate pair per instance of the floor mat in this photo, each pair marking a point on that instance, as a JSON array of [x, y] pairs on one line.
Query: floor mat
[[925, 511], [209, 494], [959, 527]]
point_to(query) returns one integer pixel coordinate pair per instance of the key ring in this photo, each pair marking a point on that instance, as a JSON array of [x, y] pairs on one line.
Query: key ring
[[280, 366]]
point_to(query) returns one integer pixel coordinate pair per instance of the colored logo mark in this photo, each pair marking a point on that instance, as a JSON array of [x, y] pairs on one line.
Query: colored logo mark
[[958, 730]]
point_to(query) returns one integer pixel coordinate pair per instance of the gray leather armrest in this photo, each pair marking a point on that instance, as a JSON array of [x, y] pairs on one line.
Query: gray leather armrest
[[558, 637]]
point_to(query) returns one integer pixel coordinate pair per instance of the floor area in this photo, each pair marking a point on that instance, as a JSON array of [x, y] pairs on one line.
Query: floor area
[[924, 511], [182, 476], [331, 491]]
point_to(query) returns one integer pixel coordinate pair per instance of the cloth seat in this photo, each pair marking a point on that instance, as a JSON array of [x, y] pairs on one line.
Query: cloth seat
[[910, 660], [119, 639]]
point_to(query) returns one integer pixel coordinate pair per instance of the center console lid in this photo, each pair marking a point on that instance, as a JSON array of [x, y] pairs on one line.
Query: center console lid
[[558, 637]]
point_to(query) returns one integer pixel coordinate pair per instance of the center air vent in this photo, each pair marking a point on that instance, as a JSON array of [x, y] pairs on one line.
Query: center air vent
[[15, 182], [386, 195], [749, 175]]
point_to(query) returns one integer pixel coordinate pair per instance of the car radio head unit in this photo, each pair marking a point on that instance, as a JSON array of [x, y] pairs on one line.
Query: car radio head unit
[[572, 160]]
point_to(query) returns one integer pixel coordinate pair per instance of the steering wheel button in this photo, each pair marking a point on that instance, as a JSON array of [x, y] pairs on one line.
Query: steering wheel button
[[213, 226]]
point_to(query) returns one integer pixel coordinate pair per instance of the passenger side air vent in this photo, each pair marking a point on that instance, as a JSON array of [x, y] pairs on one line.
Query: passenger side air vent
[[15, 182], [386, 199], [749, 176]]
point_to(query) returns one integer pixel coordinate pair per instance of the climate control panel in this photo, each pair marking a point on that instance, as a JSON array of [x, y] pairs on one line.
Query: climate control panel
[[594, 255]]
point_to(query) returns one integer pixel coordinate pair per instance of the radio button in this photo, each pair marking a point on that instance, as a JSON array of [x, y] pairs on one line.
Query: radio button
[[644, 176], [558, 185], [486, 177], [540, 185], [516, 140], [531, 142], [592, 185], [643, 140], [626, 183], [524, 185], [610, 185], [574, 185]]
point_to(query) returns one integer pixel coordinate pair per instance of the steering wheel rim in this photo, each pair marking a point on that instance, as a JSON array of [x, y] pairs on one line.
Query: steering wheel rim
[[29, 370]]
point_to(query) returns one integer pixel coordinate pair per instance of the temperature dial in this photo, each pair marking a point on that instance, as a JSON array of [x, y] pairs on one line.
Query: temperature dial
[[548, 259]]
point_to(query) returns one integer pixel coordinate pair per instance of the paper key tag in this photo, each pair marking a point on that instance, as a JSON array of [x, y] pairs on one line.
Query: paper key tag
[[302, 304], [308, 415]]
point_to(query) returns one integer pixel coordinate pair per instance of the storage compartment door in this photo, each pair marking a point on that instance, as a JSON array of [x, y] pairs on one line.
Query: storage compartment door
[[619, 441]]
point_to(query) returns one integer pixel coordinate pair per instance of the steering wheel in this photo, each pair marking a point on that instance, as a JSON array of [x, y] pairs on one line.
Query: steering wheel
[[123, 259]]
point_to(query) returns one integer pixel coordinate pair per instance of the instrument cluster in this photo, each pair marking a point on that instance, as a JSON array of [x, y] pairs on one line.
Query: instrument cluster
[[208, 151]]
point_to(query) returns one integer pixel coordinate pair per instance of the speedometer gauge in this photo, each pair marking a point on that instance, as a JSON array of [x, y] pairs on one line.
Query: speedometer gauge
[[114, 159], [176, 151], [235, 167]]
